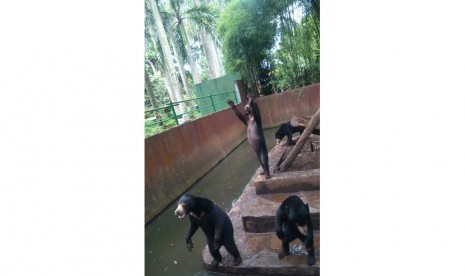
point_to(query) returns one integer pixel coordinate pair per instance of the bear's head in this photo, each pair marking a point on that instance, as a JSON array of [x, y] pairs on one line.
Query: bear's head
[[185, 205], [299, 215], [279, 135], [247, 109]]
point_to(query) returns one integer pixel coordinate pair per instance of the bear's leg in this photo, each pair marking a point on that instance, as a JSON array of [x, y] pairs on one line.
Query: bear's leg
[[263, 158], [215, 253], [285, 247], [289, 235], [232, 248], [310, 256]]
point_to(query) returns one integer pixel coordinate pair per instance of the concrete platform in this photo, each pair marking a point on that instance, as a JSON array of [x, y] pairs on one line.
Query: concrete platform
[[259, 251], [260, 256]]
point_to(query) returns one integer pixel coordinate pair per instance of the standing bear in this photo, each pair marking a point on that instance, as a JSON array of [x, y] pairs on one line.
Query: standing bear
[[255, 135], [291, 214], [215, 224]]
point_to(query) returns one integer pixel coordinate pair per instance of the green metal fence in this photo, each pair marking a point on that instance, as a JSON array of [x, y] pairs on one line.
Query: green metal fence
[[218, 85], [196, 108]]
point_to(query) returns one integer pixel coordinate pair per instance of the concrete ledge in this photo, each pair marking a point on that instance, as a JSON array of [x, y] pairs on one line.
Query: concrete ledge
[[265, 224], [260, 257], [289, 182], [259, 251], [259, 217]]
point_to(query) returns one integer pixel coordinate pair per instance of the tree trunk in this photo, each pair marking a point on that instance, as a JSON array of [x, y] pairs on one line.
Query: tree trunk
[[165, 46], [208, 54], [217, 56], [190, 58], [182, 72], [166, 79], [148, 87], [164, 73], [301, 142]]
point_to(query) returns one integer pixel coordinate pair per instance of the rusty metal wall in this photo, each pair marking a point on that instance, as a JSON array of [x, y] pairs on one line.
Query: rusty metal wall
[[177, 158], [278, 108]]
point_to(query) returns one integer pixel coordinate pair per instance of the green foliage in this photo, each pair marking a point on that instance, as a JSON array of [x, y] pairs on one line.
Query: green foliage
[[275, 43], [247, 32]]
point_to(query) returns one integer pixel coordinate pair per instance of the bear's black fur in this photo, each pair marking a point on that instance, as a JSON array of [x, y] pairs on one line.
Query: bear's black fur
[[255, 135], [287, 129], [293, 213], [214, 222]]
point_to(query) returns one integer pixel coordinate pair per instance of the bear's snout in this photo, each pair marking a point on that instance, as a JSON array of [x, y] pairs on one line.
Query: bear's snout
[[180, 212]]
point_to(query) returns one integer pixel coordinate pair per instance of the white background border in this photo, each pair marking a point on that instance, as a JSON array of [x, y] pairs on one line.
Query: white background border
[[71, 143]]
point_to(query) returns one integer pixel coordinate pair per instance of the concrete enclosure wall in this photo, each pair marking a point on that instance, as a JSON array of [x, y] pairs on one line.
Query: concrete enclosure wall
[[177, 158], [278, 108]]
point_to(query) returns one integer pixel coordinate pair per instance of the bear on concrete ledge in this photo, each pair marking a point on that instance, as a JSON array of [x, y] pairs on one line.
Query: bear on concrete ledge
[[215, 224], [290, 215], [255, 136]]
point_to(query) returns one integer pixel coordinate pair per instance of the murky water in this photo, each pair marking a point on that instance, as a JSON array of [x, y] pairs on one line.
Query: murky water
[[165, 237]]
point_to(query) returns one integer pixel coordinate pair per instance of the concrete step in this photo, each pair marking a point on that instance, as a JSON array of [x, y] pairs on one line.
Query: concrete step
[[289, 182], [260, 256], [259, 217]]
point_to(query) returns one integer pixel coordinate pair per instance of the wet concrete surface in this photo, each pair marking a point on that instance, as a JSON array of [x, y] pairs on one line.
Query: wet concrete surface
[[165, 251]]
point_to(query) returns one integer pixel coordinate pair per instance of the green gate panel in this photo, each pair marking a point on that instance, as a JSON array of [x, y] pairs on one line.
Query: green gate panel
[[208, 91]]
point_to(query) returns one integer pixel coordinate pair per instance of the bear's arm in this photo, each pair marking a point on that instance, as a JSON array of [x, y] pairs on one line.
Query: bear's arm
[[289, 136], [239, 114], [255, 111], [279, 223], [192, 228]]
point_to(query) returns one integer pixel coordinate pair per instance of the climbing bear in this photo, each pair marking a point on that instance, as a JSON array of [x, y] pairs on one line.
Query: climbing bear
[[255, 135], [214, 222], [287, 129], [293, 213]]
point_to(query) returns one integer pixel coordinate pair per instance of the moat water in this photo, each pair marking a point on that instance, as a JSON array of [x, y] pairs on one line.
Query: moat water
[[165, 236]]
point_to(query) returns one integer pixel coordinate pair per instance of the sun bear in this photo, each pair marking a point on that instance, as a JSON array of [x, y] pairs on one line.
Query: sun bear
[[287, 129], [215, 224], [255, 135], [293, 213]]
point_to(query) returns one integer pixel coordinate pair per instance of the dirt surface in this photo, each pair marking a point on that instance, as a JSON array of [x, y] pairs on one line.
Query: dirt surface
[[307, 159]]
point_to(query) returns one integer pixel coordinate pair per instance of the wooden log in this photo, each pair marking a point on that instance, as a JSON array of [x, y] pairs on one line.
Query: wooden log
[[301, 142]]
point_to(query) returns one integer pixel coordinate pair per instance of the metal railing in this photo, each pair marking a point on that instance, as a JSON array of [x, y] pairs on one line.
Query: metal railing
[[152, 115]]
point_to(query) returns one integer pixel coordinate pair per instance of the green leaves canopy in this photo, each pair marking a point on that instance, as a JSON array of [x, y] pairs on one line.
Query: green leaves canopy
[[247, 32]]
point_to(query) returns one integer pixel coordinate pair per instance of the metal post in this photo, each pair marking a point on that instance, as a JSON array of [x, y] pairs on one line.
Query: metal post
[[213, 104], [235, 97], [174, 113]]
